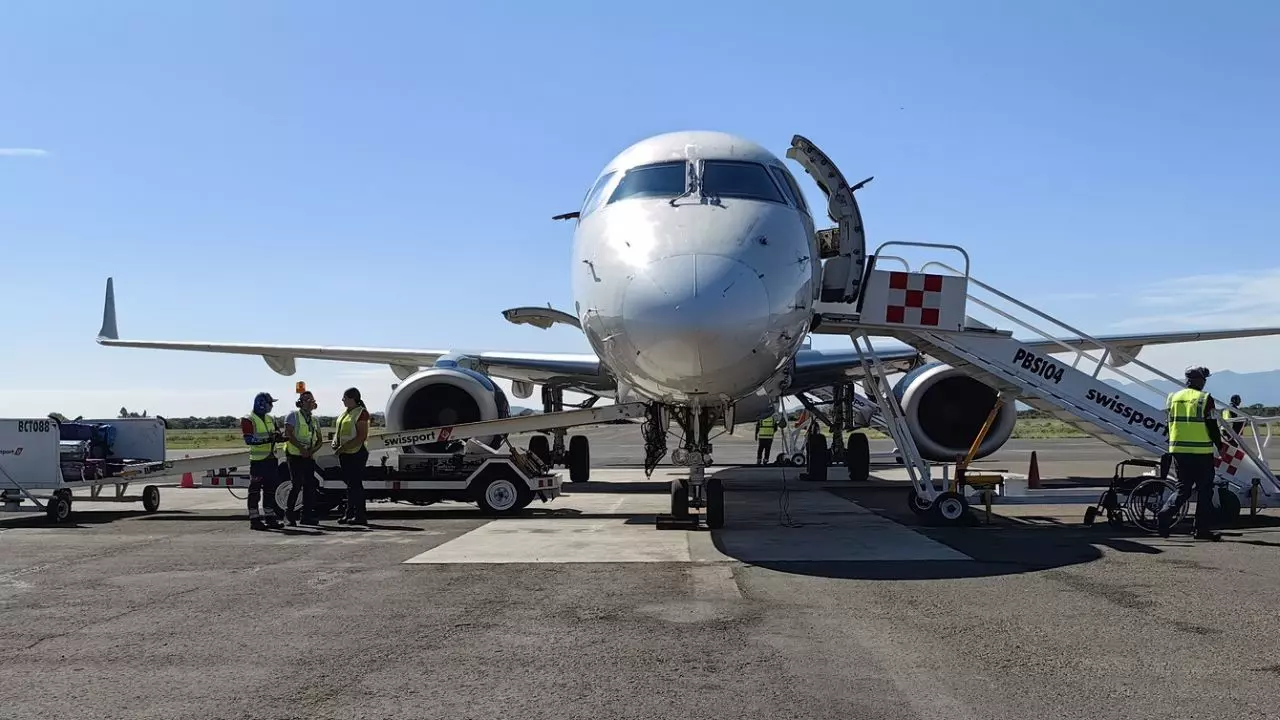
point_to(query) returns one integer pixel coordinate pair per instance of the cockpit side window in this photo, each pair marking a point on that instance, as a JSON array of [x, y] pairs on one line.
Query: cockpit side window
[[788, 183], [738, 179], [595, 195], [659, 180]]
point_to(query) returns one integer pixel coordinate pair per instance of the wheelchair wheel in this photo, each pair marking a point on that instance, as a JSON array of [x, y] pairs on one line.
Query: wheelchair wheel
[[1146, 499]]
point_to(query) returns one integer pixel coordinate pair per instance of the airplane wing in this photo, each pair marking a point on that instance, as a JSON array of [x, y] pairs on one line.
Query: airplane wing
[[822, 368], [819, 368], [582, 372], [1132, 344], [578, 372]]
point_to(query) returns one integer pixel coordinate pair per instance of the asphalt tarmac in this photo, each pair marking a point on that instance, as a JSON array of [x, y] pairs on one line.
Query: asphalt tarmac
[[815, 601]]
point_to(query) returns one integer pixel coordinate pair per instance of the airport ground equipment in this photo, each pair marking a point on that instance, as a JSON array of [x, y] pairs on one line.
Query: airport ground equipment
[[499, 483], [43, 460], [925, 307], [470, 471]]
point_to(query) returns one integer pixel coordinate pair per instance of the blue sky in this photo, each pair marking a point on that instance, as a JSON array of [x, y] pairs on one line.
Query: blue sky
[[384, 174]]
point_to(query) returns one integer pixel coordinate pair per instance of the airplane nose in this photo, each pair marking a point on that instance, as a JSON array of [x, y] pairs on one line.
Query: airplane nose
[[696, 319]]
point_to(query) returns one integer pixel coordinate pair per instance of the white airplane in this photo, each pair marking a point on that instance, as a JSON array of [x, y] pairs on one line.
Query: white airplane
[[695, 271]]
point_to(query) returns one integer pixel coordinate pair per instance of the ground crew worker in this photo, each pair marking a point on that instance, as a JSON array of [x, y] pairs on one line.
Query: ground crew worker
[[1194, 439], [1237, 427], [348, 442], [303, 434], [260, 434], [765, 429]]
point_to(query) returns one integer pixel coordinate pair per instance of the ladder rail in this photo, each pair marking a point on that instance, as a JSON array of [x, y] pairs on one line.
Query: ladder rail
[[1257, 454], [1026, 387], [1098, 421], [874, 376], [1080, 334], [1253, 421]]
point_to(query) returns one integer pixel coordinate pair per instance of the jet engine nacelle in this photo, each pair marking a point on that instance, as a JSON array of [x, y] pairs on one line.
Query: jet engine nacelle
[[945, 410], [445, 396], [748, 410]]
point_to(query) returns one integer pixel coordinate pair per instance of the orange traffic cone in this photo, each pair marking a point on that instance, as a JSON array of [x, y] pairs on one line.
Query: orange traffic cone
[[187, 480], [1033, 473]]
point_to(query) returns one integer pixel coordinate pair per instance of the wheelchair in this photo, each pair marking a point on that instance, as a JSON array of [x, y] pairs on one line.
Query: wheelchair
[[1138, 499]]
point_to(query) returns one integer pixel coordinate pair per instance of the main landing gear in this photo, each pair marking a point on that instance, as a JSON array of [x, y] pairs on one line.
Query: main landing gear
[[697, 492], [856, 456], [552, 451]]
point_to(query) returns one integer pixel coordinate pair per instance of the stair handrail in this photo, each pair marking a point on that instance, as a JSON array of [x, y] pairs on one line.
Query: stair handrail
[[911, 243], [1253, 421], [1080, 334]]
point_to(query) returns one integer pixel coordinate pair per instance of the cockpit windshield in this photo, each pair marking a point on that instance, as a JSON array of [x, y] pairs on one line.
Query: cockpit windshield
[[737, 179], [660, 180]]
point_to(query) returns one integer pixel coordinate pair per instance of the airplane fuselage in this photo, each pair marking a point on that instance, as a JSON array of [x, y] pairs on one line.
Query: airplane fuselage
[[695, 269]]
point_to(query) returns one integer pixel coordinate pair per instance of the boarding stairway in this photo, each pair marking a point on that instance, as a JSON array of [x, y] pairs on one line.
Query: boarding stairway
[[926, 308]]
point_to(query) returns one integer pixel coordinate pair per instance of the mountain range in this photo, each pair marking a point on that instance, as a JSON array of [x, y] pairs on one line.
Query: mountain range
[[1253, 388]]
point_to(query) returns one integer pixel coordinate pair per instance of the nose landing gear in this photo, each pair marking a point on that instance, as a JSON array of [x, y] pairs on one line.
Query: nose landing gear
[[697, 492]]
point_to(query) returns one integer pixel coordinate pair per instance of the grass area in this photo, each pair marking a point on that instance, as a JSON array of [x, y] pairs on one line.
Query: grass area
[[1037, 429], [211, 439], [1024, 430]]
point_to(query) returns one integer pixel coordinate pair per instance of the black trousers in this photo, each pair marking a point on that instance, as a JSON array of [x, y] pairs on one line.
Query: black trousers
[[762, 451], [1196, 473], [264, 478], [302, 471], [353, 475]]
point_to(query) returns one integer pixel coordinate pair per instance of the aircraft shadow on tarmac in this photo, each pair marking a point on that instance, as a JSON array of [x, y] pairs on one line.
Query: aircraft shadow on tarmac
[[879, 538]]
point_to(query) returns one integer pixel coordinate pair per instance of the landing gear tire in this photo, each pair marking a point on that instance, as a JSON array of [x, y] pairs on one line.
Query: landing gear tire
[[797, 459], [1090, 514], [1229, 507], [59, 507], [818, 458], [151, 498], [917, 504], [679, 498], [857, 458], [715, 504], [540, 447], [949, 509], [579, 459]]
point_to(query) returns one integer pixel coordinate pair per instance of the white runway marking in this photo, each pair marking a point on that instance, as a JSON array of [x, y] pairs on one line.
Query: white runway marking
[[560, 540], [832, 530]]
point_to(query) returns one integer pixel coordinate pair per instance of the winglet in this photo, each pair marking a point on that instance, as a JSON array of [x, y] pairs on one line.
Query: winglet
[[109, 330]]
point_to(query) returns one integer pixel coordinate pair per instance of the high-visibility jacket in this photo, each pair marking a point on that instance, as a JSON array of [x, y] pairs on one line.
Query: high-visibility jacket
[[765, 429], [262, 427], [346, 430], [1237, 426], [1187, 431], [304, 429]]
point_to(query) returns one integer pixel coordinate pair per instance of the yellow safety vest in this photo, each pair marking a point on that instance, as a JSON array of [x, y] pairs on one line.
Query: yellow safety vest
[[262, 427], [346, 429], [765, 429], [1187, 431], [305, 430]]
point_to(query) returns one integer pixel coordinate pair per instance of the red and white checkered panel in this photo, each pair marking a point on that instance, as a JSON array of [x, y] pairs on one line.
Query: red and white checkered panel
[[915, 299], [1234, 458]]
